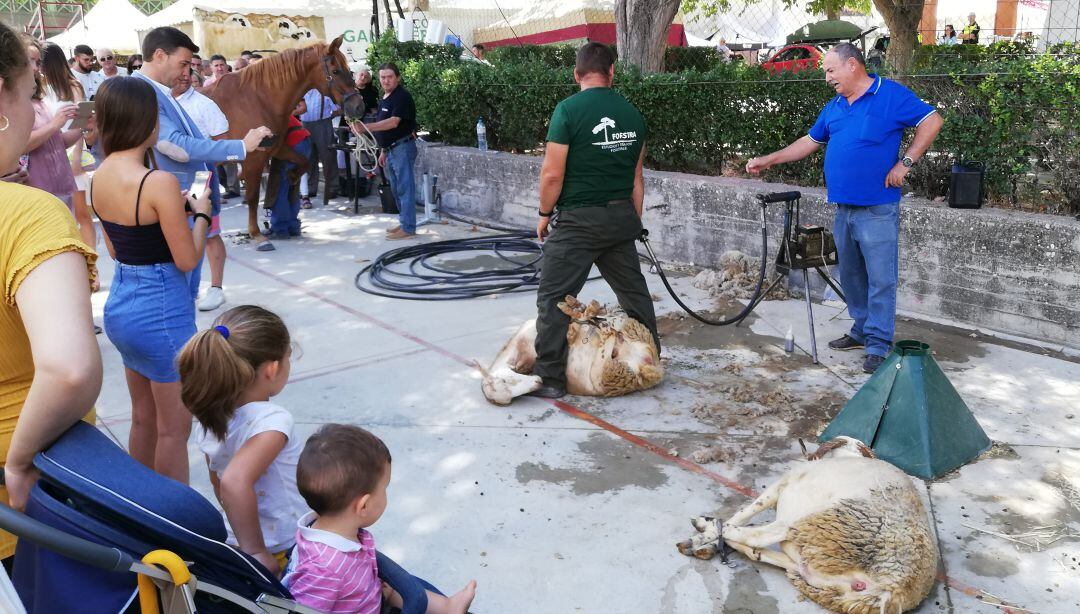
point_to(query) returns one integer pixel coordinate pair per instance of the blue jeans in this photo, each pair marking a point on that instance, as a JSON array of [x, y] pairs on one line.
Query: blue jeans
[[867, 242], [411, 588], [284, 218], [399, 167]]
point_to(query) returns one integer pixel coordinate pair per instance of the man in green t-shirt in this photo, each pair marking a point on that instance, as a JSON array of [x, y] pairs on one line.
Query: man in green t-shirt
[[591, 179]]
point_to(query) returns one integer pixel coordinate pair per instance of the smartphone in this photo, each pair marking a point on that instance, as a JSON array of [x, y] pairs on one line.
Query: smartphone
[[268, 141], [201, 185], [82, 117]]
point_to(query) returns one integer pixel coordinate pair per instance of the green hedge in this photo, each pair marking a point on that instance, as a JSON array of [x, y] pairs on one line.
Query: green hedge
[[1017, 111]]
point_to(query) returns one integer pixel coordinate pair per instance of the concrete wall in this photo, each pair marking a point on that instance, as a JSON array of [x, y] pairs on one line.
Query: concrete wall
[[992, 269]]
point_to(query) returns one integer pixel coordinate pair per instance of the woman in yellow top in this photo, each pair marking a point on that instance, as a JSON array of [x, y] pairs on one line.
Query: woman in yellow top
[[50, 364]]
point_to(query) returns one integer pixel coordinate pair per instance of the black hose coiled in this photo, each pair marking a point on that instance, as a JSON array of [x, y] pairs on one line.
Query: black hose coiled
[[412, 272]]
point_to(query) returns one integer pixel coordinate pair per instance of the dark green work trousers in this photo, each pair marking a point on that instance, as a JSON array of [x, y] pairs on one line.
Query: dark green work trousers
[[602, 235]]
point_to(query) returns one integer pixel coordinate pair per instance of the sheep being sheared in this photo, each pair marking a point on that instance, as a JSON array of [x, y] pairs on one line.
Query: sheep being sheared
[[609, 356], [853, 533]]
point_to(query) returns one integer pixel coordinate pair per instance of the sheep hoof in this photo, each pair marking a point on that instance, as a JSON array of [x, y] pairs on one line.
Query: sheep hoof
[[705, 552], [701, 523]]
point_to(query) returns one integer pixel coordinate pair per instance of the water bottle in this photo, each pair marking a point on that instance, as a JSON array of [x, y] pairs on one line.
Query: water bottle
[[789, 341], [481, 135]]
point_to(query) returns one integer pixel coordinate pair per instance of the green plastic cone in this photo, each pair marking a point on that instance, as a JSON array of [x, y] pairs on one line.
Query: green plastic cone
[[911, 416]]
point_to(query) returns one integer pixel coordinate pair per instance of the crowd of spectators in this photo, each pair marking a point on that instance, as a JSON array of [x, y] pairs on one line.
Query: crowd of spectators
[[147, 132]]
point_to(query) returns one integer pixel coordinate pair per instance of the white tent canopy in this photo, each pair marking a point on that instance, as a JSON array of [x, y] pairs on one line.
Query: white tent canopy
[[111, 23]]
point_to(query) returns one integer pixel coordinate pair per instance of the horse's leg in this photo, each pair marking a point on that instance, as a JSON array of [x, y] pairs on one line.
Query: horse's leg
[[300, 163], [252, 173]]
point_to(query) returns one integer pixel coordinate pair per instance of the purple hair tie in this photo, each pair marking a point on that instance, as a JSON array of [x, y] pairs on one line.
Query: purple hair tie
[[223, 330]]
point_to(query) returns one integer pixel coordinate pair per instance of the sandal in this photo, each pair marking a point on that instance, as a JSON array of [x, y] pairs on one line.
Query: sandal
[[305, 203]]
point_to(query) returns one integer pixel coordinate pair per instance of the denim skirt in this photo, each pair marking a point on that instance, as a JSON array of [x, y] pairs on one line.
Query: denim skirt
[[149, 316]]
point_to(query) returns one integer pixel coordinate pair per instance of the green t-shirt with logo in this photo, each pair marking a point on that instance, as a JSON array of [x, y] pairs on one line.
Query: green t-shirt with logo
[[605, 134]]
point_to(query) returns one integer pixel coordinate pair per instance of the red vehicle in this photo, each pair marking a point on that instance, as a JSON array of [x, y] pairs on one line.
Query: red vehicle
[[795, 58]]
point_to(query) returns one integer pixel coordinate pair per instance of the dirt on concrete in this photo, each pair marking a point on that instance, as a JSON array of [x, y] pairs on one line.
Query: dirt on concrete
[[744, 382]]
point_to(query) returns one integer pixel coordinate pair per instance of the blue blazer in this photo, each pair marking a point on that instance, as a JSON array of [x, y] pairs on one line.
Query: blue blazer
[[204, 153]]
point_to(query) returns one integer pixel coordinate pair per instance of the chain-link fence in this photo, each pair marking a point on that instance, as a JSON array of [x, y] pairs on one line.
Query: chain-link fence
[[768, 23]]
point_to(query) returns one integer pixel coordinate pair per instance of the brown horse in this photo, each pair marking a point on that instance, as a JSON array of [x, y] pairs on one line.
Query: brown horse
[[265, 94]]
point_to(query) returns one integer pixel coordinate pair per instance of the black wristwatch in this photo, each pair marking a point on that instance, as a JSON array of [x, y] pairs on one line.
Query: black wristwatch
[[548, 214], [907, 162]]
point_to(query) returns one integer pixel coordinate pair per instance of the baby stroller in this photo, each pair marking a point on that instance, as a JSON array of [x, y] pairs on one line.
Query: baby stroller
[[103, 533]]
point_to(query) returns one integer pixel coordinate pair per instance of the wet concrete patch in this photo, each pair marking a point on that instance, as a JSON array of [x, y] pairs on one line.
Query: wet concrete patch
[[483, 262], [993, 563], [678, 328], [747, 593], [958, 345], [611, 466]]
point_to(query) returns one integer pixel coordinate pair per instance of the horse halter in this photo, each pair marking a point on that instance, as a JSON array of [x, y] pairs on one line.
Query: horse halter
[[326, 60]]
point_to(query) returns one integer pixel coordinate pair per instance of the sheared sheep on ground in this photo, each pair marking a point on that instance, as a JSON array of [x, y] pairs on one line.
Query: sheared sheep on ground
[[853, 533], [609, 356]]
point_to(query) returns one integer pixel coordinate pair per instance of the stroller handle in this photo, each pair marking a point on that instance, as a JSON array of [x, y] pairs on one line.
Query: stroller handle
[[77, 548]]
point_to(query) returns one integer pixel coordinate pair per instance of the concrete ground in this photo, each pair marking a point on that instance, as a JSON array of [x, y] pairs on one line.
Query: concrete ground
[[577, 506]]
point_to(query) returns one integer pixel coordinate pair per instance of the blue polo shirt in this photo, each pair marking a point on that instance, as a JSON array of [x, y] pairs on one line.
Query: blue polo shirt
[[863, 141]]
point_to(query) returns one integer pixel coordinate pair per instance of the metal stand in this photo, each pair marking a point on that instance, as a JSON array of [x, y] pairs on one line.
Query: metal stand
[[431, 198], [786, 262]]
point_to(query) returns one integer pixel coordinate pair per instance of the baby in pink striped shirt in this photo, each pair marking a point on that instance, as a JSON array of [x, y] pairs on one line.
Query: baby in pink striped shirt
[[343, 474]]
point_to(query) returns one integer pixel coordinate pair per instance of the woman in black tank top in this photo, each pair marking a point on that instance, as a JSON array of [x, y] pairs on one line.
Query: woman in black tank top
[[149, 314]]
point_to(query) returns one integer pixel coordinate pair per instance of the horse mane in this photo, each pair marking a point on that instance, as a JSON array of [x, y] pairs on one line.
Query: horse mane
[[282, 69]]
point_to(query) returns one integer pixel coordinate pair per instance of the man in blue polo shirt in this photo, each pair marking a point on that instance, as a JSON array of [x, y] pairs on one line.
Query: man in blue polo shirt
[[864, 171]]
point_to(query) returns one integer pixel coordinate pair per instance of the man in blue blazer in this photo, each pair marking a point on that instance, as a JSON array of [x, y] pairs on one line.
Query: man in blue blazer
[[182, 149]]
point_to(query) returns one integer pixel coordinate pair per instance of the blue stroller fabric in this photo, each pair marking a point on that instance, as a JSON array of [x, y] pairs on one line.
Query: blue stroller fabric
[[91, 487]]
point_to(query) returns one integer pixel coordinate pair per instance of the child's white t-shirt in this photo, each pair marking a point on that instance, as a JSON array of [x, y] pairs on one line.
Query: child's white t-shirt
[[280, 503]]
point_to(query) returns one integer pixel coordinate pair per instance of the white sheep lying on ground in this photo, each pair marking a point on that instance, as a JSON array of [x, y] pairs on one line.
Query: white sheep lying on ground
[[853, 533], [609, 356]]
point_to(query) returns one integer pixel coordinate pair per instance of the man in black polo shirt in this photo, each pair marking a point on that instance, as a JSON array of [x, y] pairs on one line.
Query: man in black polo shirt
[[592, 178], [393, 129]]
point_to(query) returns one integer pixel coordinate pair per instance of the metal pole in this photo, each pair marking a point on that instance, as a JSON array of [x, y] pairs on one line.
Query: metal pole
[[810, 315]]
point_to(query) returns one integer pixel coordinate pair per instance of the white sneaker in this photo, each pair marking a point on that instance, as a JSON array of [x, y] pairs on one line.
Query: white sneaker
[[214, 298]]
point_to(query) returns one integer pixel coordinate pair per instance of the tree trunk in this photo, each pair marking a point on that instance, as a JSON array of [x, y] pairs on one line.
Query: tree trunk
[[902, 18], [832, 12], [389, 15], [641, 29], [375, 19]]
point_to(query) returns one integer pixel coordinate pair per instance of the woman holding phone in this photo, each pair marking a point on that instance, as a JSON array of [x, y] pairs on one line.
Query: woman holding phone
[[149, 314], [48, 166], [62, 89]]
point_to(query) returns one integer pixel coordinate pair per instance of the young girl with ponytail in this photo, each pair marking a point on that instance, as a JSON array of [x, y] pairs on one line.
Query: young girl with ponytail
[[228, 374]]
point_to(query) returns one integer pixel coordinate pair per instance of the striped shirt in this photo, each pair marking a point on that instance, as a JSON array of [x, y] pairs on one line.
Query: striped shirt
[[318, 107], [333, 574]]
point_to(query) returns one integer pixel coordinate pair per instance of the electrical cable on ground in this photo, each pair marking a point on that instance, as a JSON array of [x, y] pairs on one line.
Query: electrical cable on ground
[[418, 272], [421, 273]]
